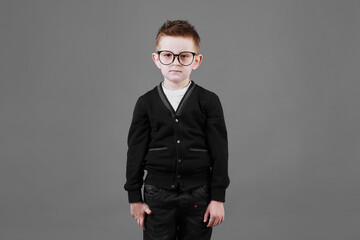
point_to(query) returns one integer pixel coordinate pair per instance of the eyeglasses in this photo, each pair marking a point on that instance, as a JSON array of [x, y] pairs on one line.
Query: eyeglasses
[[167, 57]]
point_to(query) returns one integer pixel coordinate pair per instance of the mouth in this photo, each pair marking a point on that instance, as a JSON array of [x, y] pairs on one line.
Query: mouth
[[176, 71]]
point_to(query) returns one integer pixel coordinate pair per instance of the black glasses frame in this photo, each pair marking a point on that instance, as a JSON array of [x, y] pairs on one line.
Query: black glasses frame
[[178, 57]]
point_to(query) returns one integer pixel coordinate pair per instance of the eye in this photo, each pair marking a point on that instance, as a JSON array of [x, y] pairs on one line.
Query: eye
[[167, 55]]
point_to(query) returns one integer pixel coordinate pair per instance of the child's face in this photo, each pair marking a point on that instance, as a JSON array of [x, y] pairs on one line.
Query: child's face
[[176, 72]]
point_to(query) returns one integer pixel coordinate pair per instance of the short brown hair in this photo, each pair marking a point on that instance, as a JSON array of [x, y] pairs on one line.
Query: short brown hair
[[178, 28]]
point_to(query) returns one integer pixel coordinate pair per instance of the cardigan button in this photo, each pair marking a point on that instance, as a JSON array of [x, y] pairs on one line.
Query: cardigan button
[[176, 120], [179, 160], [178, 141]]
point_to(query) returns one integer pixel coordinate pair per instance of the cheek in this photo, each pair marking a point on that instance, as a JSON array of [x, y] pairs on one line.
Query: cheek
[[187, 71], [164, 70], [159, 65]]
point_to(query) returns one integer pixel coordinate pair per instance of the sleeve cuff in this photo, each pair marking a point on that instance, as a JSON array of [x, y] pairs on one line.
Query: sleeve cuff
[[135, 196], [218, 194]]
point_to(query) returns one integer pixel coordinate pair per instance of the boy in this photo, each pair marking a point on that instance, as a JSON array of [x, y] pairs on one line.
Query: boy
[[178, 136]]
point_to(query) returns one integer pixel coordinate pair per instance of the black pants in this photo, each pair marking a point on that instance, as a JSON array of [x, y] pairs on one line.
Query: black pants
[[176, 214]]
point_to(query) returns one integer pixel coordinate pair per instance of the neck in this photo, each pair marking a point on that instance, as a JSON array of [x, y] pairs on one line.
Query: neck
[[176, 86]]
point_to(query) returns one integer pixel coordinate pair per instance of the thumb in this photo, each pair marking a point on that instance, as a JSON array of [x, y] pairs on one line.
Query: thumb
[[147, 210], [206, 216]]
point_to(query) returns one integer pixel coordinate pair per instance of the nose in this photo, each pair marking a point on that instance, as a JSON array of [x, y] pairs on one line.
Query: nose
[[176, 61]]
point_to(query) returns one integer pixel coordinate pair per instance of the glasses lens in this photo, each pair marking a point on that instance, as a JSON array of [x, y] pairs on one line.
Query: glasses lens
[[166, 57], [186, 58]]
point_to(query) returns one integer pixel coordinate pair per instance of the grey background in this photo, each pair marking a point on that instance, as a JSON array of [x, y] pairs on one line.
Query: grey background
[[287, 73]]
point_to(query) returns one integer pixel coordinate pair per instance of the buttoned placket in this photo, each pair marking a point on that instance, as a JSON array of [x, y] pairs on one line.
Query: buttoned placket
[[177, 126]]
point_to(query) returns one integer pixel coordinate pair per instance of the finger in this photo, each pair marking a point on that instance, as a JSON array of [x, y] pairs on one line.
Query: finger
[[147, 210], [206, 215], [211, 222], [217, 222], [142, 223]]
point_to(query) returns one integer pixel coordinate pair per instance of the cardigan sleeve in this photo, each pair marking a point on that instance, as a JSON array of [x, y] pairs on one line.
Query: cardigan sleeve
[[217, 141], [138, 141]]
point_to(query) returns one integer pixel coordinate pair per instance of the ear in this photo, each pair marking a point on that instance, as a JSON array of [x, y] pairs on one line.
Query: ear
[[155, 58], [197, 60]]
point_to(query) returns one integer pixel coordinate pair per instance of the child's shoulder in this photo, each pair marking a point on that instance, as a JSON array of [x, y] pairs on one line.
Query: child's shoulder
[[149, 94], [206, 93]]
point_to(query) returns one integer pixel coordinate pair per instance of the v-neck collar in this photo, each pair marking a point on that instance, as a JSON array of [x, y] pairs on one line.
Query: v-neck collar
[[183, 101]]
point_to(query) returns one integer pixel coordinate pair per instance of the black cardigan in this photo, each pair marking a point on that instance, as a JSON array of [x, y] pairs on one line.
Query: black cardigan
[[186, 147]]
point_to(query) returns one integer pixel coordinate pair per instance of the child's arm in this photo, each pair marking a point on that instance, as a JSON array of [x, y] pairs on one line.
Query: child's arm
[[218, 147], [138, 141]]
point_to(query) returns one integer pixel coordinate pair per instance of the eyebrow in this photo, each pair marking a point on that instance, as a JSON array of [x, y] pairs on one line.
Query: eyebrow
[[175, 53]]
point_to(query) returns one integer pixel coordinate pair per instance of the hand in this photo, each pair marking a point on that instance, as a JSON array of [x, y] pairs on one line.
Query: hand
[[217, 213], [138, 211]]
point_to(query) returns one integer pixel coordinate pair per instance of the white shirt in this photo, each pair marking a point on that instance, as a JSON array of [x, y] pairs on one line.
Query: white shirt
[[175, 96]]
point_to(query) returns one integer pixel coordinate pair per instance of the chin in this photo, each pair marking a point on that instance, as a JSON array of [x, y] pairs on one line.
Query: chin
[[179, 78], [175, 80]]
